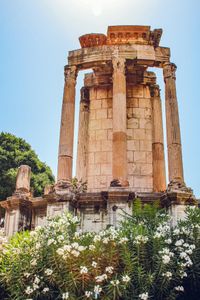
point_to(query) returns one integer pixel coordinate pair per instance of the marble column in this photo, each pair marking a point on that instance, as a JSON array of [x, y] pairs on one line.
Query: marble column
[[119, 161], [175, 164], [81, 164], [159, 175], [65, 155]]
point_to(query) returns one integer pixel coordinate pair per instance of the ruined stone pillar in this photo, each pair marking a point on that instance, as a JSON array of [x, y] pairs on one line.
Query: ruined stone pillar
[[81, 164], [119, 162], [23, 179], [175, 164], [159, 175], [65, 156]]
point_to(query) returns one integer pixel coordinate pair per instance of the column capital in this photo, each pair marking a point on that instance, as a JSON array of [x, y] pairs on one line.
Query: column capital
[[118, 64], [154, 90], [70, 73], [169, 70]]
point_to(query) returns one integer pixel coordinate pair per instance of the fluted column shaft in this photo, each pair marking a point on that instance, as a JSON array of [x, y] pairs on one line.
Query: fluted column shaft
[[65, 156], [159, 175], [81, 164], [119, 121], [175, 164]]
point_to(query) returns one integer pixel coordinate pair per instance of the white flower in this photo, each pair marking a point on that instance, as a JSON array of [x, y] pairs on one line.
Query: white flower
[[97, 289], [76, 253], [37, 246], [105, 240], [123, 240], [45, 290], [65, 295], [35, 286], [67, 248], [126, 278], [97, 238], [91, 247], [48, 272], [60, 251], [81, 248], [101, 278], [51, 241], [26, 274], [179, 243], [94, 264], [84, 270], [29, 290], [33, 262], [167, 274], [179, 288], [37, 280], [115, 282], [144, 296], [141, 239], [165, 259], [109, 269], [88, 294], [168, 241]]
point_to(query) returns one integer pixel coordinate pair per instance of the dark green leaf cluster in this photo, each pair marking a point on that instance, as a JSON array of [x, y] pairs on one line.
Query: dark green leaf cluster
[[14, 152]]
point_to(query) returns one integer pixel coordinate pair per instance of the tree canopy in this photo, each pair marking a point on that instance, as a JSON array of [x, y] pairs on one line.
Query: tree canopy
[[14, 152]]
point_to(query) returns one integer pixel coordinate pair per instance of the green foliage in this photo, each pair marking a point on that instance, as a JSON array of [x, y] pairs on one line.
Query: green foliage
[[13, 153], [143, 259]]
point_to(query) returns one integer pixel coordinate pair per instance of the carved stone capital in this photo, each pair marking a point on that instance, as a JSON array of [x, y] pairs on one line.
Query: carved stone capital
[[154, 90], [118, 65], [169, 70], [70, 73]]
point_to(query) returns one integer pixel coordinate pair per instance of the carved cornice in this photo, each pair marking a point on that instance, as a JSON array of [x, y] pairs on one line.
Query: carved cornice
[[169, 70]]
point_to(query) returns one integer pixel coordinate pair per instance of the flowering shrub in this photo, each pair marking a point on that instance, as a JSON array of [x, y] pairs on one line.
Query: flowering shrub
[[143, 259]]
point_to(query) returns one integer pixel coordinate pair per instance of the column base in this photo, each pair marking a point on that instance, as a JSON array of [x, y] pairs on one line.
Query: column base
[[176, 185], [119, 183]]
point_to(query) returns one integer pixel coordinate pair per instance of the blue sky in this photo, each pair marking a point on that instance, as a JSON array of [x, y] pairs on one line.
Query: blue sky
[[35, 37]]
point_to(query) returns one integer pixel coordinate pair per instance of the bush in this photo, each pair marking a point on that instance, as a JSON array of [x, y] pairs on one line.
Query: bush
[[143, 259]]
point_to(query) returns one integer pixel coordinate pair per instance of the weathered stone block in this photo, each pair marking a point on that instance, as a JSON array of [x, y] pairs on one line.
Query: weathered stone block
[[133, 123], [146, 169], [94, 169], [101, 93], [101, 113], [130, 156], [100, 157], [145, 145], [110, 113], [139, 134], [106, 145], [133, 102], [94, 124], [94, 146], [107, 124], [106, 169], [95, 104], [140, 156], [138, 91], [145, 103], [133, 145], [101, 134], [138, 112], [146, 124]]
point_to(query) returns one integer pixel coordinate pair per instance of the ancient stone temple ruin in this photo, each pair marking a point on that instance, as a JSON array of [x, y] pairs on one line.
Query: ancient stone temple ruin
[[120, 138]]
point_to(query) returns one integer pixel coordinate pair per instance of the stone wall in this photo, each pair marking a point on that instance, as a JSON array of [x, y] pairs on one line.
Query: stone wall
[[99, 171], [139, 139]]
